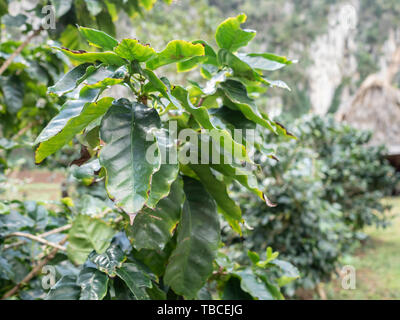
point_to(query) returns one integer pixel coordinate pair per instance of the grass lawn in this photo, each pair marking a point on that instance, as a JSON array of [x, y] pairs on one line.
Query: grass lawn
[[377, 264]]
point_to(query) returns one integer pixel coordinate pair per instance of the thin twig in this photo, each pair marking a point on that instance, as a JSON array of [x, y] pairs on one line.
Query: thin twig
[[10, 59], [36, 238], [57, 230], [43, 235], [34, 271]]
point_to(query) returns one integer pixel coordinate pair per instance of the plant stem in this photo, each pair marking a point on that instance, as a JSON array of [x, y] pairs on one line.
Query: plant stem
[[34, 271], [36, 238], [10, 59]]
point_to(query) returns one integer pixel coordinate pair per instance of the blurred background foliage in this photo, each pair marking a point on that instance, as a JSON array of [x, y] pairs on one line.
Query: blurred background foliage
[[329, 183]]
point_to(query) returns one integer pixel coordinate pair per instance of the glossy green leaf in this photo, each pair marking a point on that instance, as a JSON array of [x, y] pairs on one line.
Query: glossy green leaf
[[169, 169], [209, 57], [107, 57], [175, 51], [191, 262], [218, 189], [70, 80], [88, 234], [136, 280], [93, 283], [105, 83], [220, 137], [239, 67], [155, 259], [108, 261], [132, 49], [72, 119], [231, 36], [65, 289], [244, 177], [237, 93], [290, 272], [155, 293], [264, 61], [251, 284], [98, 38], [124, 129], [233, 291], [152, 229], [229, 119]]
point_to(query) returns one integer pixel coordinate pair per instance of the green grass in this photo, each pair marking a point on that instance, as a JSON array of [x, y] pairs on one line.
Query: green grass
[[377, 265]]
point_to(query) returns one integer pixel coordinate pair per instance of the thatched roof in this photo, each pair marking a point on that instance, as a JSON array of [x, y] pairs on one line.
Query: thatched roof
[[376, 107]]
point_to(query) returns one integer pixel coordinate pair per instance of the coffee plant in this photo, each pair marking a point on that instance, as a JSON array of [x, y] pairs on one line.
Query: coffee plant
[[328, 185], [157, 234]]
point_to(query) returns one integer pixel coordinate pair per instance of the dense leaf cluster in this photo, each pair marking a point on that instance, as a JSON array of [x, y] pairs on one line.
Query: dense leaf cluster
[[328, 185], [167, 209]]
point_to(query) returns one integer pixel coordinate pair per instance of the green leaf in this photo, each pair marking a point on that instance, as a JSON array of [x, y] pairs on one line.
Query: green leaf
[[220, 137], [105, 83], [131, 49], [61, 6], [107, 57], [254, 257], [237, 93], [290, 272], [72, 119], [155, 293], [109, 261], [244, 177], [239, 67], [190, 264], [65, 289], [175, 51], [147, 4], [124, 129], [136, 280], [209, 57], [87, 234], [94, 284], [218, 189], [152, 229], [264, 61], [251, 284], [94, 6], [277, 84], [156, 259], [169, 169], [233, 290], [231, 36], [98, 38], [13, 92], [70, 80], [6, 271], [230, 119]]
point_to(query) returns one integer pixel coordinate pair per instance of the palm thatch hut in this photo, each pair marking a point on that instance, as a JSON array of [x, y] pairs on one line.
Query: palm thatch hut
[[376, 107]]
